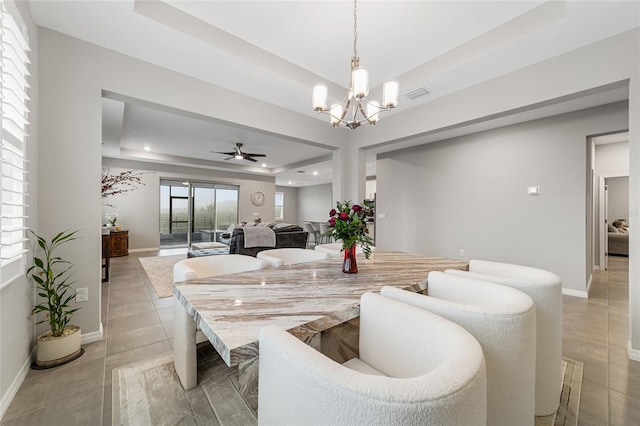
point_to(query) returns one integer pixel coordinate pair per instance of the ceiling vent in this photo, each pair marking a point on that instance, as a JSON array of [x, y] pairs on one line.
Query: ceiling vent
[[416, 93]]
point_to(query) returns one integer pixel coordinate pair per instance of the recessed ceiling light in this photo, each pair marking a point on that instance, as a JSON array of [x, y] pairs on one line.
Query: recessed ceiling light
[[147, 148], [290, 182], [315, 173], [264, 164]]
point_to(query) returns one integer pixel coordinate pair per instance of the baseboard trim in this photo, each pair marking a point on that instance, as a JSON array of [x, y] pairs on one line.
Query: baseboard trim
[[575, 293], [634, 354], [94, 336], [139, 250], [6, 400]]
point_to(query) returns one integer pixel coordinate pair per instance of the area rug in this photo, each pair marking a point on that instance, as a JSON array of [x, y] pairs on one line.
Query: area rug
[[159, 269], [149, 393], [567, 414]]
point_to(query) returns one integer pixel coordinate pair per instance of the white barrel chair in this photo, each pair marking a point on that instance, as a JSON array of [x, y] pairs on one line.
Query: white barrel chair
[[290, 256], [545, 288], [193, 269], [503, 320], [209, 266], [414, 368], [335, 249]]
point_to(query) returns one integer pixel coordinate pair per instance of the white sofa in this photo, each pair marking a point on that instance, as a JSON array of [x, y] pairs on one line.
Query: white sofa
[[414, 368]]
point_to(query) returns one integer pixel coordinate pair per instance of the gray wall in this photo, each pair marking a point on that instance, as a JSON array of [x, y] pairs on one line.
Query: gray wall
[[471, 193], [618, 198], [290, 204], [314, 203], [138, 210]]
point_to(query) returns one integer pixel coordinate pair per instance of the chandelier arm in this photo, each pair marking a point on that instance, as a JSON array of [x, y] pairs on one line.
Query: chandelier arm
[[380, 107], [328, 112], [364, 114]]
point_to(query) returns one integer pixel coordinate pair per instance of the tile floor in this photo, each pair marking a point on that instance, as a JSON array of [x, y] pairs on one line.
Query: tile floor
[[138, 325]]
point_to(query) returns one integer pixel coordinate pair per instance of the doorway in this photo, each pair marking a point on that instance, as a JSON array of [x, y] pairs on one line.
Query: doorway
[[610, 167], [192, 212]]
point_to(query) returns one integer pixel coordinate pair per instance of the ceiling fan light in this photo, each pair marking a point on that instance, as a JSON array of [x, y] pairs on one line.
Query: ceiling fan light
[[360, 78], [390, 93], [238, 156], [319, 100]]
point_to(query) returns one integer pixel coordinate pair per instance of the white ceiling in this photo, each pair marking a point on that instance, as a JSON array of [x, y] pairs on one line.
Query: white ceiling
[[444, 46]]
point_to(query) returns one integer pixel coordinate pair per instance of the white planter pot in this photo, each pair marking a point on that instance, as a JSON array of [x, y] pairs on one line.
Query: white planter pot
[[52, 351]]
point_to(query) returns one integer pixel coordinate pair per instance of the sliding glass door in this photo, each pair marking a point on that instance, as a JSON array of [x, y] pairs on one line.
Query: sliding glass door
[[193, 212]]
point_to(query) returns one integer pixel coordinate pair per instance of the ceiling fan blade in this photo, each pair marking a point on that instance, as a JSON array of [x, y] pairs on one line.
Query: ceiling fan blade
[[225, 153], [256, 155], [246, 157], [230, 158]]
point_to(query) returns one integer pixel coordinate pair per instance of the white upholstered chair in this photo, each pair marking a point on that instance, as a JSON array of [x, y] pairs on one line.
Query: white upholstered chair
[[335, 249], [504, 322], [414, 368], [290, 256], [324, 228], [312, 231], [192, 269], [545, 288], [208, 266]]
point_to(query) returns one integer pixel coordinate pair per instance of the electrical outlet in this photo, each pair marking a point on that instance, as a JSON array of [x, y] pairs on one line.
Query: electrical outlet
[[82, 294], [462, 252]]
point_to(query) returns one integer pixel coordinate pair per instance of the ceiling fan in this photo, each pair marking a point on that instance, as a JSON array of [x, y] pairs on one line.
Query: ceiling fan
[[239, 155]]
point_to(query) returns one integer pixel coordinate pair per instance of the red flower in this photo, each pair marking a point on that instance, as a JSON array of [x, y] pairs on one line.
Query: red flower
[[332, 221], [356, 208], [344, 216], [332, 212]]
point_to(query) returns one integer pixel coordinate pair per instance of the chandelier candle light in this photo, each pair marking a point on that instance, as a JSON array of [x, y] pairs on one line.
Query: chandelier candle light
[[355, 110]]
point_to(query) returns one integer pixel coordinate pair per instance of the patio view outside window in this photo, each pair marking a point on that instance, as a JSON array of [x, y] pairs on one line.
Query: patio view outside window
[[193, 212], [279, 205]]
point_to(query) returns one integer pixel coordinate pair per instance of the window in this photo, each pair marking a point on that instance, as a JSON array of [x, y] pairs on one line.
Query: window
[[279, 205], [195, 211], [14, 113]]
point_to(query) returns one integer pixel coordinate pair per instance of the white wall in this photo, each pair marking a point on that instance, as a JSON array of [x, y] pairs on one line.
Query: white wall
[[17, 337], [612, 159], [314, 203], [138, 210], [471, 193], [290, 204]]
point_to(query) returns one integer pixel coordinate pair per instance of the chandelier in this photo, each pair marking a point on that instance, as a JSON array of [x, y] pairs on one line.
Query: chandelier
[[355, 110]]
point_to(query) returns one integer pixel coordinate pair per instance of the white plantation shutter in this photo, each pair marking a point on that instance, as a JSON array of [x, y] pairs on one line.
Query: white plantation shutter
[[15, 119]]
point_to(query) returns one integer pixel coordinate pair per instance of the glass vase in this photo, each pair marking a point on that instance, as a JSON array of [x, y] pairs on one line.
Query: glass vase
[[349, 265]]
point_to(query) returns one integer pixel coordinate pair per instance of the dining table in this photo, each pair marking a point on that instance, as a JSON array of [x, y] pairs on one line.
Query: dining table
[[307, 299]]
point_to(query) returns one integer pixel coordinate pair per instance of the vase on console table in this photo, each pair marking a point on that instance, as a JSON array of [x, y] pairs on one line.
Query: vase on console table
[[349, 265]]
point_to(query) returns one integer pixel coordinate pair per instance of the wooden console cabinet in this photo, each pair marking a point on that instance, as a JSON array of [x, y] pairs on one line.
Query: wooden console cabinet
[[119, 243]]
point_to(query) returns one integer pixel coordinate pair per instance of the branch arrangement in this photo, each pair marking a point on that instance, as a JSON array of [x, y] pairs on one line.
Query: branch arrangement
[[125, 181]]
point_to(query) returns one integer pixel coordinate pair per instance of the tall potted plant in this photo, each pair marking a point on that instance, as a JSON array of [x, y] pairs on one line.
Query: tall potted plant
[[52, 276]]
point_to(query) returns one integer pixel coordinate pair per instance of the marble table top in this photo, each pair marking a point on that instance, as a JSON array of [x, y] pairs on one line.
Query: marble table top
[[305, 298]]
